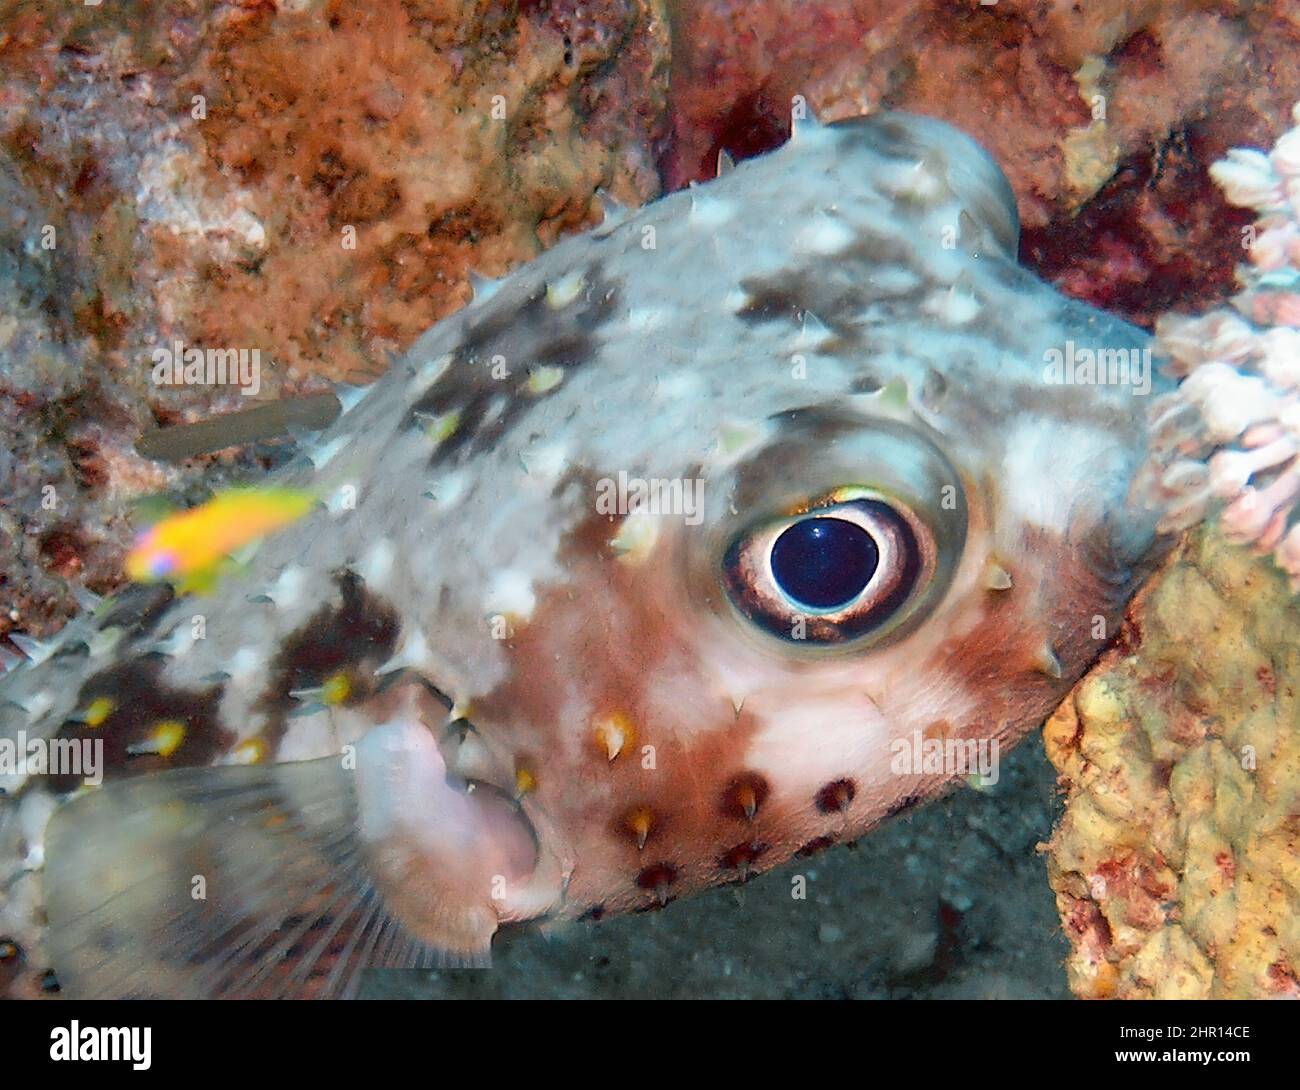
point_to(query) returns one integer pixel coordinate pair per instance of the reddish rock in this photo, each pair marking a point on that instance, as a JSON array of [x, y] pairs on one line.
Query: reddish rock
[[314, 180], [1118, 208]]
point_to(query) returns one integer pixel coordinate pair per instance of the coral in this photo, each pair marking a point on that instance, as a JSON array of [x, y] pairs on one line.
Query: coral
[[1176, 864], [1230, 434], [445, 135]]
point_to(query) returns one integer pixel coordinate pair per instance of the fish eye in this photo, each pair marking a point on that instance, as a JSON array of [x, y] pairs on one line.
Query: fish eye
[[843, 566]]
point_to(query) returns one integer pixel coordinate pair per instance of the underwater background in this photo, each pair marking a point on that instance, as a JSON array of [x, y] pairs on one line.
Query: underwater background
[[197, 163]]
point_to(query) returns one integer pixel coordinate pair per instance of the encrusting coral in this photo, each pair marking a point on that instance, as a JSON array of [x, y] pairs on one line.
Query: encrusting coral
[[1176, 864]]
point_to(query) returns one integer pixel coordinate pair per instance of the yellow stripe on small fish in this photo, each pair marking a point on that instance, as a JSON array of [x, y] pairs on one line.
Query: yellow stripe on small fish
[[191, 543]]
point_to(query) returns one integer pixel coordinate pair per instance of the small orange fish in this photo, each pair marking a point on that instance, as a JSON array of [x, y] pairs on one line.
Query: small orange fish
[[187, 547]]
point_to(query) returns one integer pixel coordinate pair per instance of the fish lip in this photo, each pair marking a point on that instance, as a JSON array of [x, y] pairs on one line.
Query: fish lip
[[450, 733], [545, 893], [495, 778], [540, 891]]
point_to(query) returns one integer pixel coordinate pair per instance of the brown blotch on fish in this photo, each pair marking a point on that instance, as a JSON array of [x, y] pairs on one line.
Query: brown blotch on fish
[[836, 796], [770, 303], [521, 329], [742, 856], [789, 298], [744, 795], [880, 134], [657, 878], [355, 635], [933, 390], [814, 846], [138, 702]]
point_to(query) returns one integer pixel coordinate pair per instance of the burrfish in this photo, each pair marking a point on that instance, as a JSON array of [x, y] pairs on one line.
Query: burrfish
[[716, 535]]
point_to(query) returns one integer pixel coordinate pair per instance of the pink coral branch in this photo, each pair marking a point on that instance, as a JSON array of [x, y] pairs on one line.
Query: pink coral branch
[[1230, 435]]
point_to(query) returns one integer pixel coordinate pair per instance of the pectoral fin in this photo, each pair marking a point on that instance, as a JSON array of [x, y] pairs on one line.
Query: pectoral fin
[[281, 879]]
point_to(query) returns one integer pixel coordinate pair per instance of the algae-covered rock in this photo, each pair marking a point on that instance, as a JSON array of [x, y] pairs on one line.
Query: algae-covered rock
[[1176, 864], [311, 181]]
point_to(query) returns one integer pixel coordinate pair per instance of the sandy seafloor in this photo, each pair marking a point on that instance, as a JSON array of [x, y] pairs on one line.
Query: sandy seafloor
[[951, 901]]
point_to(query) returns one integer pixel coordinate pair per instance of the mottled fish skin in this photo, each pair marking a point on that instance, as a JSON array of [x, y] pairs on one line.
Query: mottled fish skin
[[844, 311]]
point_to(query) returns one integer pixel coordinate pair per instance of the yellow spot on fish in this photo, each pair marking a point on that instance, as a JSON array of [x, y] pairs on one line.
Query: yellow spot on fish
[[336, 689], [251, 751], [544, 379], [893, 395], [636, 537], [99, 710], [525, 781], [996, 577], [168, 736], [747, 800], [186, 548], [440, 426], [565, 290], [737, 438], [614, 734], [164, 740]]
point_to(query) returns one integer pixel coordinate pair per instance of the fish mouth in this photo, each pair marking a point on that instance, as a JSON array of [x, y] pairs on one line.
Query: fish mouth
[[471, 765], [502, 790]]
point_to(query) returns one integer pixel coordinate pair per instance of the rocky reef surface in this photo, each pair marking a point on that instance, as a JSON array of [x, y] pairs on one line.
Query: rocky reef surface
[[1176, 863]]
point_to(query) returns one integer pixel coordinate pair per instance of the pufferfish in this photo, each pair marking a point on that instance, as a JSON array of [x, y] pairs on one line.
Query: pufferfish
[[633, 577]]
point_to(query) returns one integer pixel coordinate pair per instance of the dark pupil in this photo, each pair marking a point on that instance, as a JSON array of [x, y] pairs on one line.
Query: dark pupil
[[824, 562]]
